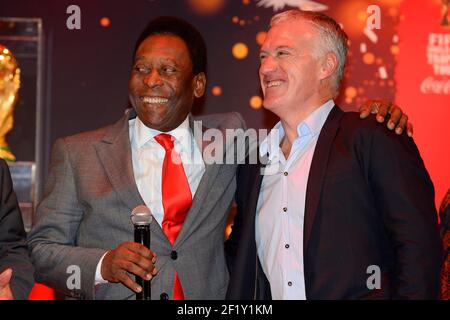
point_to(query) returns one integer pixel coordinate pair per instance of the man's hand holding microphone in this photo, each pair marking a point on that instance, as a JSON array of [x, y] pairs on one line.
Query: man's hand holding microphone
[[133, 257]]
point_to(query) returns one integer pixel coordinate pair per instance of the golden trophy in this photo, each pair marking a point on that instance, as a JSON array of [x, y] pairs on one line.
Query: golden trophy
[[9, 89]]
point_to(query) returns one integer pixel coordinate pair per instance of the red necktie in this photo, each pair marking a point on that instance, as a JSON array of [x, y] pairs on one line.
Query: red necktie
[[176, 198]]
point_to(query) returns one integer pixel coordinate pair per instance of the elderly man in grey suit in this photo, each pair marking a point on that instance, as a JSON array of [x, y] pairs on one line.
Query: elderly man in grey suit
[[97, 178]]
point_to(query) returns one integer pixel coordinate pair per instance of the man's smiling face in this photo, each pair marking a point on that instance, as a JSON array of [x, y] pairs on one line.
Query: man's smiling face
[[162, 85]]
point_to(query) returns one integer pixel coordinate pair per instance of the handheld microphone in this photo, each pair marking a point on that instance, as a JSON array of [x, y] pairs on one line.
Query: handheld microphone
[[141, 216]]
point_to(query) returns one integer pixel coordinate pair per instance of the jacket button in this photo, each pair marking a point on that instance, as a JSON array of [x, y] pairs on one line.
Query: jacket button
[[164, 296], [174, 255]]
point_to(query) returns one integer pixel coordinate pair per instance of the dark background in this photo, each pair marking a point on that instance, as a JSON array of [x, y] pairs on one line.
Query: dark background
[[87, 70]]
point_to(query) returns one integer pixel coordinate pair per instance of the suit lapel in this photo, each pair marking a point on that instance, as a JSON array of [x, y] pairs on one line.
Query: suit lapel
[[256, 176], [318, 169], [207, 182], [114, 152], [248, 231]]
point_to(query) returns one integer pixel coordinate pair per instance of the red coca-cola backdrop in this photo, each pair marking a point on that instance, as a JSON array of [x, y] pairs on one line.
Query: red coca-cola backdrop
[[422, 75]]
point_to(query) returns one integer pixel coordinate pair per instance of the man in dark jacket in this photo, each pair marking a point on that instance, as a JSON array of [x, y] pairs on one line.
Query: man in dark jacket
[[16, 270], [341, 208]]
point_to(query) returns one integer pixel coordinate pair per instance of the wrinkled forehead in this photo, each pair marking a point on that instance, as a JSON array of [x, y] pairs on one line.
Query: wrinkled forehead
[[163, 42], [164, 45], [290, 33]]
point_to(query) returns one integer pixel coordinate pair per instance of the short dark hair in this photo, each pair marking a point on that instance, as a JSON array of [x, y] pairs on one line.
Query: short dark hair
[[166, 25]]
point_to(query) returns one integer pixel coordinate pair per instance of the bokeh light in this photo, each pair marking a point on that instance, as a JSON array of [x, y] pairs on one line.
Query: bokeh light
[[240, 50], [393, 11], [256, 102], [105, 22], [350, 92], [353, 16], [395, 49], [368, 58], [206, 7], [216, 91], [260, 36], [362, 16]]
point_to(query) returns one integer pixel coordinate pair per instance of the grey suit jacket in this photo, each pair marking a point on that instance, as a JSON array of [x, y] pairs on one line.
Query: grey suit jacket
[[89, 196]]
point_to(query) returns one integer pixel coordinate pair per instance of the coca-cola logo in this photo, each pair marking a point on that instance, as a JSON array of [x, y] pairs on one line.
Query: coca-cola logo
[[433, 86]]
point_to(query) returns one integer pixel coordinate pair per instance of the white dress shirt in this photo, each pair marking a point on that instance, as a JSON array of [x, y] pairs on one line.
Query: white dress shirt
[[281, 206], [148, 157]]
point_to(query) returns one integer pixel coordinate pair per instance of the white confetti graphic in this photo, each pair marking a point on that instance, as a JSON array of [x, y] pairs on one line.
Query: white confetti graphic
[[383, 73], [363, 48], [371, 35]]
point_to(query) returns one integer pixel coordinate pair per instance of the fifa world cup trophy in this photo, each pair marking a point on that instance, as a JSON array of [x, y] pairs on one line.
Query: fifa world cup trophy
[[9, 91]]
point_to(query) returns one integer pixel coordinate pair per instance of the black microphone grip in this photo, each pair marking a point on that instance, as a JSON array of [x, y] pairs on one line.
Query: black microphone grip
[[142, 236]]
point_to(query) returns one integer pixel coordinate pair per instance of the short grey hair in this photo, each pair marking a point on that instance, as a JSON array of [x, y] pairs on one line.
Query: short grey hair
[[331, 35]]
